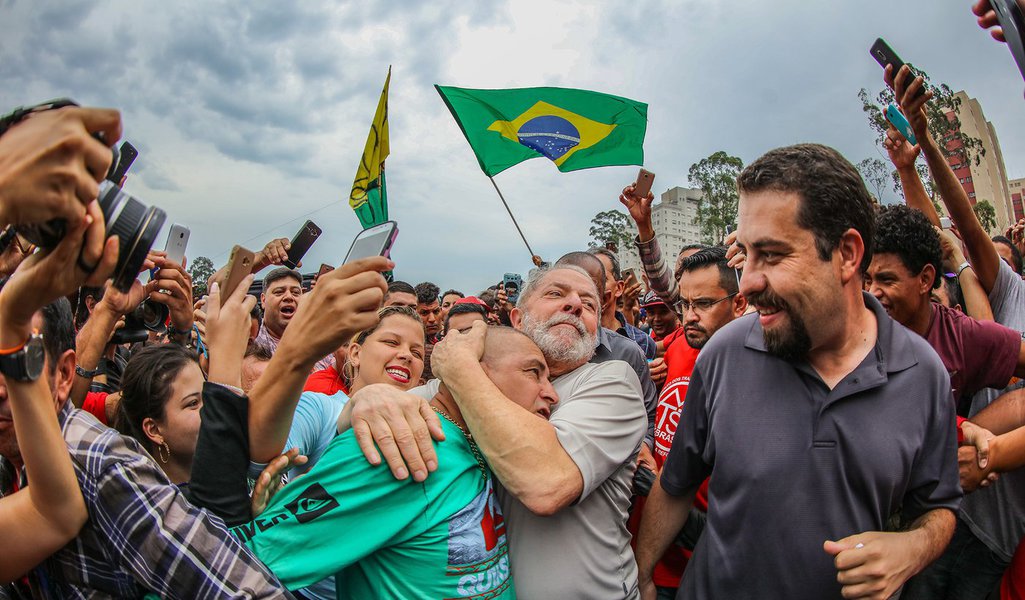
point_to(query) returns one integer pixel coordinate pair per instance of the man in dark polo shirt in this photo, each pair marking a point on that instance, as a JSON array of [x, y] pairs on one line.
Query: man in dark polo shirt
[[906, 266], [817, 418]]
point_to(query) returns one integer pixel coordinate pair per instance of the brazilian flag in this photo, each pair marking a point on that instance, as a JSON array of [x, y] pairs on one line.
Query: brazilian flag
[[369, 198], [575, 129]]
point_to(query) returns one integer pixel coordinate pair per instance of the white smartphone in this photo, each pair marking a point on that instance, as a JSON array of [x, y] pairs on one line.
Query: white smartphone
[[177, 241], [946, 224], [376, 241]]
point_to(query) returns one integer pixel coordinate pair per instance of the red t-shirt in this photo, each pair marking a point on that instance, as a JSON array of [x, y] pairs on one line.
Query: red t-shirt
[[976, 354], [95, 403], [679, 358], [1012, 587], [325, 381]]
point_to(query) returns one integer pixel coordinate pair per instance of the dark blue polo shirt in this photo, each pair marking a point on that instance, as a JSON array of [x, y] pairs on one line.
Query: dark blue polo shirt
[[793, 463]]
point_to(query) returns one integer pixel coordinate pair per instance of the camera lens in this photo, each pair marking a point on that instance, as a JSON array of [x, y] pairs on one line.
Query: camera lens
[[153, 315], [136, 226]]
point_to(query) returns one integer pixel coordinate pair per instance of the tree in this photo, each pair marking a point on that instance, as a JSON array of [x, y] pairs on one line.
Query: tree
[[716, 176], [201, 269], [986, 214], [944, 126], [876, 174], [611, 227]]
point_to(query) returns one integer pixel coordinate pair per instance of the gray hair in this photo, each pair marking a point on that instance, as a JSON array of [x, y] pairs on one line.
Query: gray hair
[[536, 276]]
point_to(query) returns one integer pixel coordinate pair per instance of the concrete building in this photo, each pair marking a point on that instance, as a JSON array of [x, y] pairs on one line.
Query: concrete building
[[1017, 189], [988, 180], [672, 218]]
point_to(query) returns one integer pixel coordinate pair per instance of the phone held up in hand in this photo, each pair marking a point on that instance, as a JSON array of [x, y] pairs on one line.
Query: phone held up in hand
[[239, 265], [375, 241], [896, 118], [512, 283], [301, 243], [885, 55], [1012, 22], [642, 187]]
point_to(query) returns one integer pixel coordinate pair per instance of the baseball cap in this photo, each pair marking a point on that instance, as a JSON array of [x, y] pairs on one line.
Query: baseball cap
[[472, 300], [651, 299]]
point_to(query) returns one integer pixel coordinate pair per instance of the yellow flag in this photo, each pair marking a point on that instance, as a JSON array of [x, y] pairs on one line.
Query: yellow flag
[[368, 197]]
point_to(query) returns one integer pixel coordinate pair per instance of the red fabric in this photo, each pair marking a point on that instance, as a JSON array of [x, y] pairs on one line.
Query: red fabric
[[977, 354], [960, 432], [95, 403], [679, 357], [1012, 587], [325, 381]]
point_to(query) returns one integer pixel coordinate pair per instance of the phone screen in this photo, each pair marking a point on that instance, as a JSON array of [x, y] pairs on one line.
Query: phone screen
[[375, 241]]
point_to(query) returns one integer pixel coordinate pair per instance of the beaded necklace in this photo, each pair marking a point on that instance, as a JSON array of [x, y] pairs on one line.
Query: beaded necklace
[[481, 464]]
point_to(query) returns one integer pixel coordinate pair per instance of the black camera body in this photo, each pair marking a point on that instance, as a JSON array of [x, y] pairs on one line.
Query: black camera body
[[148, 316]]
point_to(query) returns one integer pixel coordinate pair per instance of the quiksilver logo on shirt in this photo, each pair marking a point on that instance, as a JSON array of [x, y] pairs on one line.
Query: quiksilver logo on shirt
[[313, 502]]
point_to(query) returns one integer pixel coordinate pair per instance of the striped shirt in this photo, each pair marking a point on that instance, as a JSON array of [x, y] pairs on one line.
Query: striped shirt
[[142, 535]]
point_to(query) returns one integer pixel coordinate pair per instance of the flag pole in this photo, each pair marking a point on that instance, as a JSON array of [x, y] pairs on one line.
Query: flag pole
[[501, 197]]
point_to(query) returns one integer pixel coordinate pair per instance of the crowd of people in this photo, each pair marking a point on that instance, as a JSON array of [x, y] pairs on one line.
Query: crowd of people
[[828, 403]]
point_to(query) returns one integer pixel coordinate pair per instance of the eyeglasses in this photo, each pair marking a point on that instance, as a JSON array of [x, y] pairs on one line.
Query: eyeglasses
[[701, 306]]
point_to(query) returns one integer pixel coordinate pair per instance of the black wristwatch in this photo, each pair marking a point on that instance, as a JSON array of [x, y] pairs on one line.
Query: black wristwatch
[[26, 363]]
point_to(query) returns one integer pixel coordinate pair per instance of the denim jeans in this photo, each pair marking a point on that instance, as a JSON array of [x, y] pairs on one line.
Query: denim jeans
[[967, 570]]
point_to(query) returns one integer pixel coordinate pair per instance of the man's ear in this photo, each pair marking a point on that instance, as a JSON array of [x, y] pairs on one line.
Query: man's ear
[[515, 317], [926, 277], [739, 305], [90, 303], [852, 249], [64, 377]]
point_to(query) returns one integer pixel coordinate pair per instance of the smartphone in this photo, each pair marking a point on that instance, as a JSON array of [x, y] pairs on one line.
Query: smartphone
[[1013, 24], [897, 119], [177, 241], [643, 185], [239, 265], [376, 241], [885, 55], [629, 276], [126, 156], [301, 244], [512, 283], [324, 269], [945, 223]]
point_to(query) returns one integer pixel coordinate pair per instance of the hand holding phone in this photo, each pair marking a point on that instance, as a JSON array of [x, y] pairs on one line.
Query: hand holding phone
[[900, 123], [643, 185], [301, 243], [239, 265], [512, 283]]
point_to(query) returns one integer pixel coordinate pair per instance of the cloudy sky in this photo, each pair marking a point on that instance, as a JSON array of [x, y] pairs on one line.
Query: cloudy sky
[[251, 116]]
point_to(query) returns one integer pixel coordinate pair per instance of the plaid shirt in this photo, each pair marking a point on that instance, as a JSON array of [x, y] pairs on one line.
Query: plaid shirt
[[265, 338], [660, 275], [142, 535]]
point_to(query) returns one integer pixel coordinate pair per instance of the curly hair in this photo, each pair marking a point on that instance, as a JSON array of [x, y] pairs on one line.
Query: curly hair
[[906, 232]]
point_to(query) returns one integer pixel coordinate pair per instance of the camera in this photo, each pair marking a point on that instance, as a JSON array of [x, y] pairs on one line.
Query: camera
[[135, 224], [148, 316]]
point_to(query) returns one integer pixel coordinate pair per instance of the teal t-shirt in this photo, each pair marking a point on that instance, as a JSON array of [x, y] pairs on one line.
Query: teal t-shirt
[[443, 538]]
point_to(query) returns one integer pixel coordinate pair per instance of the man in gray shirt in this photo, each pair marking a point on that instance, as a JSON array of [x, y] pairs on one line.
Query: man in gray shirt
[[565, 483], [817, 418]]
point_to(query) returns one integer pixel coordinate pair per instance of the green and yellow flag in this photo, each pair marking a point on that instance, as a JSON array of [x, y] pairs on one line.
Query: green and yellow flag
[[575, 129], [369, 198]]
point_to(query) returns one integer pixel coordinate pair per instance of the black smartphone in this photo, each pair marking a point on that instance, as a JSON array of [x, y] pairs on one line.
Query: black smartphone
[[301, 243], [512, 283], [1013, 24], [375, 241], [126, 156], [885, 55]]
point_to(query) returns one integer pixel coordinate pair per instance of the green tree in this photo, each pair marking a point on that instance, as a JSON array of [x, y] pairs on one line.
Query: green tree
[[611, 227], [986, 214], [200, 270], [944, 126], [716, 176], [876, 175]]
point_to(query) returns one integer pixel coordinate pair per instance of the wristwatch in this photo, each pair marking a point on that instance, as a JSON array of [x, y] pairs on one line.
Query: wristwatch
[[24, 363]]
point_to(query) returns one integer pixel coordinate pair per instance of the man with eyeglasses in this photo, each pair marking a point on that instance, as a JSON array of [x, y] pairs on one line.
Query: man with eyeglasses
[[709, 299]]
